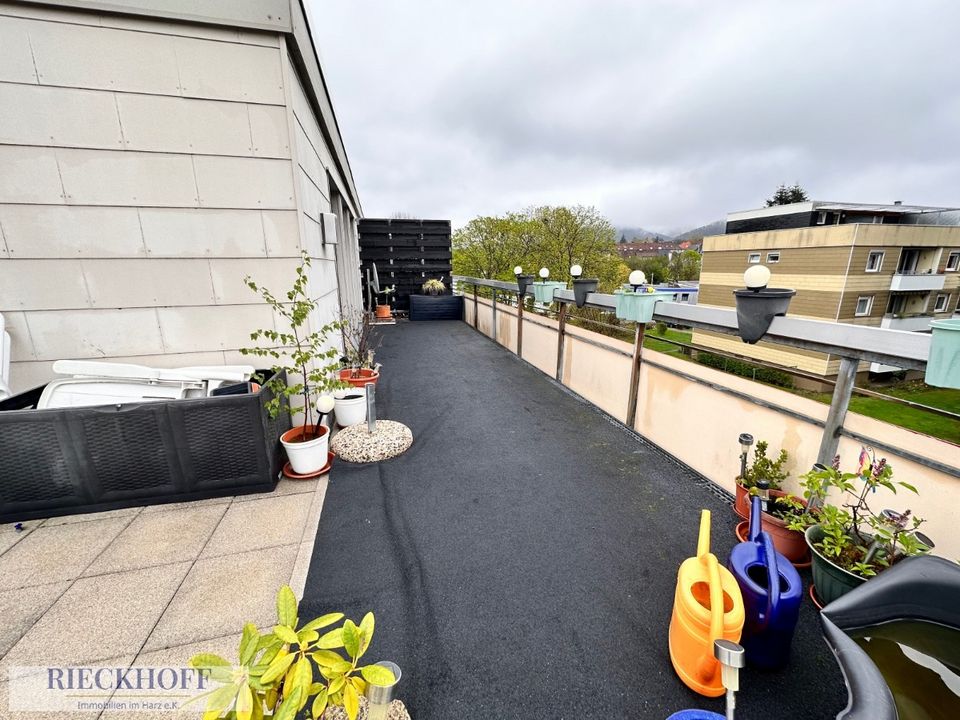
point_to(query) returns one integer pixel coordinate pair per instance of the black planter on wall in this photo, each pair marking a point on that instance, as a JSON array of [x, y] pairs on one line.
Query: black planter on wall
[[436, 307]]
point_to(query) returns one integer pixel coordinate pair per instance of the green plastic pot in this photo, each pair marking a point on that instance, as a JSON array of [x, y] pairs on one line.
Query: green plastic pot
[[943, 365], [830, 581], [543, 291], [636, 306]]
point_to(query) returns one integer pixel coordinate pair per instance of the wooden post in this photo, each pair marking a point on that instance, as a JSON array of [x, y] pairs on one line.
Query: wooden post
[[838, 410], [520, 299], [476, 307], [635, 374], [561, 336], [494, 322]]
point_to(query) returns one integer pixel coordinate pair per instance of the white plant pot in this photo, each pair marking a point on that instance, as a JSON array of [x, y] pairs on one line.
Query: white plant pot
[[306, 457], [353, 411]]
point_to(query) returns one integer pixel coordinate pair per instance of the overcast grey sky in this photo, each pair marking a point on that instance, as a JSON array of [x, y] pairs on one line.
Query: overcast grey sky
[[662, 114]]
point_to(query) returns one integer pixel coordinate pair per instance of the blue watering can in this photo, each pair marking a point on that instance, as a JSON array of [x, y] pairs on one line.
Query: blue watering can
[[771, 590]]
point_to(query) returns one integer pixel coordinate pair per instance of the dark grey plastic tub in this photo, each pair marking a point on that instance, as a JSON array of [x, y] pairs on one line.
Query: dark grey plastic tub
[[75, 460], [436, 307]]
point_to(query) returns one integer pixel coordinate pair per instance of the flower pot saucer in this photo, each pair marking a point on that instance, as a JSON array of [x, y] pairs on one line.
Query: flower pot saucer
[[290, 474], [817, 602]]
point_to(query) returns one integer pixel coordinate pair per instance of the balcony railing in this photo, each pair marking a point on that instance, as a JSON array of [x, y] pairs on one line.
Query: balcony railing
[[914, 282], [694, 412], [911, 322]]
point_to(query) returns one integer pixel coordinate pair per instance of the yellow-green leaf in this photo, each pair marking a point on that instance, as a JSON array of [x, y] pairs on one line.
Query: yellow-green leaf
[[333, 639], [303, 678], [289, 706], [336, 684], [351, 638], [378, 675], [359, 684], [326, 658], [278, 667], [319, 704], [307, 637], [221, 699], [244, 705], [285, 634], [208, 660], [286, 607], [248, 643], [323, 621], [366, 633], [351, 701]]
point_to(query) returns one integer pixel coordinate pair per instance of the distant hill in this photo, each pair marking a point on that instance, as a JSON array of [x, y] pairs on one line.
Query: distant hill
[[715, 228], [638, 234]]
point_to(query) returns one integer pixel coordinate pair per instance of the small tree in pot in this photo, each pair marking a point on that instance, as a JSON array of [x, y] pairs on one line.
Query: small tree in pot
[[298, 352], [360, 347]]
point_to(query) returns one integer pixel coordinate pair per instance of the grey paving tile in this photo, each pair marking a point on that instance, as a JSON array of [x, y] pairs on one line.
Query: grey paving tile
[[87, 517], [159, 538], [262, 523], [286, 486], [20, 609], [10, 536], [190, 503], [99, 617], [60, 552], [220, 594]]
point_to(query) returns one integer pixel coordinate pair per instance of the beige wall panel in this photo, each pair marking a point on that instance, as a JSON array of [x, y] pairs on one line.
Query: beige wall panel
[[104, 58], [793, 260], [253, 37], [169, 27], [276, 274], [187, 126], [42, 285], [16, 60], [507, 327], [61, 231], [774, 239], [600, 376], [282, 233], [54, 14], [908, 235], [192, 232], [807, 303], [307, 124], [313, 241], [58, 116], [322, 277], [147, 283], [310, 162], [21, 345], [95, 333], [244, 182], [312, 204], [849, 306], [227, 71], [268, 127], [540, 345], [29, 175], [217, 327], [92, 177]]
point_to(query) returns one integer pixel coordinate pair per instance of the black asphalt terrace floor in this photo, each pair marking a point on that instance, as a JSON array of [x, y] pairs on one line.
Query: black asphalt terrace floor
[[521, 557]]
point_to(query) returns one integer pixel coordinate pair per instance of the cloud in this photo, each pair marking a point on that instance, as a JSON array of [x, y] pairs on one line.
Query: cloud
[[663, 114]]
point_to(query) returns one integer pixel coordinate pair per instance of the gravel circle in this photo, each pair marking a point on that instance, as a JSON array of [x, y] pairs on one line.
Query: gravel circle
[[389, 439], [396, 711]]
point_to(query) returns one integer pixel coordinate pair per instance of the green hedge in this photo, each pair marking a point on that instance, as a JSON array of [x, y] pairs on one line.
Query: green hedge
[[745, 369]]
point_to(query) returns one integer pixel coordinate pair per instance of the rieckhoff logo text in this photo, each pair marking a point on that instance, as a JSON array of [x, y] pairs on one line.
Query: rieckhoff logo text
[[82, 689]]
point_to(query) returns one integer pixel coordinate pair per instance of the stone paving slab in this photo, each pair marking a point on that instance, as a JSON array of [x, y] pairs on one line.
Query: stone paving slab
[[266, 522], [22, 607]]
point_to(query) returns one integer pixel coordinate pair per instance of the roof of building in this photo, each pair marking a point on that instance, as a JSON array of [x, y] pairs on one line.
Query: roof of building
[[829, 205]]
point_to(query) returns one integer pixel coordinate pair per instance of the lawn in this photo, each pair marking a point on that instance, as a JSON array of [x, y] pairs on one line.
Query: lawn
[[650, 340]]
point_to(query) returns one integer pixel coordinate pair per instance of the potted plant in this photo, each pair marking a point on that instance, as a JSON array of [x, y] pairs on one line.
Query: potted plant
[[943, 366], [435, 303], [385, 312], [350, 406], [763, 468], [281, 672], [851, 542], [433, 287], [360, 346], [543, 290], [297, 352], [637, 303], [582, 286]]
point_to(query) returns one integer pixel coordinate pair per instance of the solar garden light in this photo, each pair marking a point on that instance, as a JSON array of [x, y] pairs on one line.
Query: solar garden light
[[731, 657], [523, 281], [746, 440], [325, 405], [371, 407], [544, 274], [758, 305], [637, 278], [379, 697], [582, 286]]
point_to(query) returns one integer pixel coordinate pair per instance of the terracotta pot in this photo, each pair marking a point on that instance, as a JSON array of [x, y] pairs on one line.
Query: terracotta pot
[[741, 500], [359, 378], [789, 543], [384, 312]]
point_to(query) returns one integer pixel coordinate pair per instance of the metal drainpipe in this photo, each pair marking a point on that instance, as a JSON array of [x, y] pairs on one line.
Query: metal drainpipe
[[371, 389]]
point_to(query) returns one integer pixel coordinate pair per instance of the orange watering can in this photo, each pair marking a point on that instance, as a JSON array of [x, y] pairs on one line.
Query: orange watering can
[[707, 607]]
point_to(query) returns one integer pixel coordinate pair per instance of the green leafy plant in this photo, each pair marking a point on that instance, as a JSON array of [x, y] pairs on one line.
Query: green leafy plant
[[433, 287], [660, 328], [765, 468], [855, 537], [387, 292], [279, 672], [296, 351]]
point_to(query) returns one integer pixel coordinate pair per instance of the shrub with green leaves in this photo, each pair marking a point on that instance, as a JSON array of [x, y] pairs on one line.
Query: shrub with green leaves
[[281, 671], [855, 537], [765, 468], [297, 350]]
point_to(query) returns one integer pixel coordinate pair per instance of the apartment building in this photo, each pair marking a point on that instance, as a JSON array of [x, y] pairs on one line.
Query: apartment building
[[892, 266], [152, 154]]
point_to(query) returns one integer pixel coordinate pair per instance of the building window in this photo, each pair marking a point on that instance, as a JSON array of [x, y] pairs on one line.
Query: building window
[[942, 302], [953, 261], [864, 305], [773, 257], [685, 297], [875, 261], [753, 258], [822, 218]]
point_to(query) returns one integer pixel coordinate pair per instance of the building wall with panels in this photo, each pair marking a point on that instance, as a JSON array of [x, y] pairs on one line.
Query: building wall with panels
[[146, 167]]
